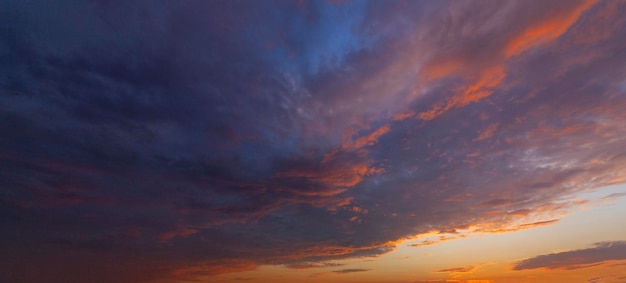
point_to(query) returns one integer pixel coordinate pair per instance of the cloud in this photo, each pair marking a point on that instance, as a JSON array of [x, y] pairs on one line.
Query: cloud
[[482, 87], [442, 238], [202, 139], [370, 139], [488, 132], [183, 232], [600, 253], [453, 281], [503, 228], [350, 270], [547, 30], [613, 196], [467, 269], [540, 223], [307, 265]]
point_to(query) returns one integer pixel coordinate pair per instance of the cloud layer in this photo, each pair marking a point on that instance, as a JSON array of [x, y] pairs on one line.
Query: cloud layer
[[600, 253], [201, 138]]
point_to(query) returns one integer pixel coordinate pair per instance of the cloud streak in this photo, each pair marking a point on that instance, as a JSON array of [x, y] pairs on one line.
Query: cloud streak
[[350, 270], [457, 270], [600, 253]]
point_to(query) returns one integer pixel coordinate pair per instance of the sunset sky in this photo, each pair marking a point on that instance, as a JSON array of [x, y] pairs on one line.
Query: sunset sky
[[312, 141]]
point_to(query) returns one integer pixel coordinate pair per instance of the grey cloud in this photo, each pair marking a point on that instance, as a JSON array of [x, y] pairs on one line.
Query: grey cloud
[[600, 253]]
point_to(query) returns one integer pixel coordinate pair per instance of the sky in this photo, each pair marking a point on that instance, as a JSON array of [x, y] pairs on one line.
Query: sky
[[313, 141]]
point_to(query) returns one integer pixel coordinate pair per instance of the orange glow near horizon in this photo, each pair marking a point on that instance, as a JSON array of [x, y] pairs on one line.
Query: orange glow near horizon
[[469, 255]]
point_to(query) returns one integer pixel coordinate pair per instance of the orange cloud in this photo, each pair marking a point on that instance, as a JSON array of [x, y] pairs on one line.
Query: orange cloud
[[403, 116], [506, 228], [520, 212], [341, 168], [309, 265], [481, 88], [338, 176], [491, 77], [467, 269], [323, 250], [367, 140], [350, 270], [521, 219], [488, 132], [438, 281], [438, 240], [538, 224], [545, 31], [441, 68], [452, 281]]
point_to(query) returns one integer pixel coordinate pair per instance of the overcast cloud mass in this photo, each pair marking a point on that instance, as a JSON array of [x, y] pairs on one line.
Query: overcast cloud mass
[[165, 140]]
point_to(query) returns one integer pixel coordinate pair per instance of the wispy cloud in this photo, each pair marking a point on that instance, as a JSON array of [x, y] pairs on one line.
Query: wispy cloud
[[600, 253], [350, 270], [467, 269], [307, 265], [613, 196]]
